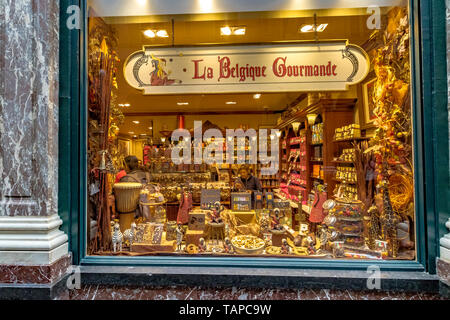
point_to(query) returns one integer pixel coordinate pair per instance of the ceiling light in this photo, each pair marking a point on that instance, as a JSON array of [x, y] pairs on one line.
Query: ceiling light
[[136, 122], [149, 33], [225, 31], [182, 103], [228, 31], [257, 96], [150, 128], [321, 27], [134, 136], [278, 133], [131, 132], [311, 118], [124, 105], [312, 27], [239, 31], [230, 102], [162, 34]]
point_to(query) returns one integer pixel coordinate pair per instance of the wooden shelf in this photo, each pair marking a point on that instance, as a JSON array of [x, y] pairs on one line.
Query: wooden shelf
[[343, 162], [342, 181], [352, 139]]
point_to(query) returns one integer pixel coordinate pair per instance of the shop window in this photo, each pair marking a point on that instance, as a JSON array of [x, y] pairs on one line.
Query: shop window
[[278, 133]]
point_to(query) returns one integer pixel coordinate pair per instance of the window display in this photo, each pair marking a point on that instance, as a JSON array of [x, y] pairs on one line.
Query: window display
[[260, 145]]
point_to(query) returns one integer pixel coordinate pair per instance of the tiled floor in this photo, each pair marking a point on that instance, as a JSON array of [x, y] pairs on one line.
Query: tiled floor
[[96, 292]]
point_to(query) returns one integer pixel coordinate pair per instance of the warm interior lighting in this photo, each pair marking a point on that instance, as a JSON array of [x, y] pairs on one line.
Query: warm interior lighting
[[162, 34], [239, 31], [230, 102], [126, 105], [150, 128], [278, 133], [311, 118], [228, 31], [149, 33], [225, 31], [131, 132], [156, 33], [257, 96], [295, 126], [136, 122], [182, 103], [163, 139], [321, 27], [205, 5], [312, 27]]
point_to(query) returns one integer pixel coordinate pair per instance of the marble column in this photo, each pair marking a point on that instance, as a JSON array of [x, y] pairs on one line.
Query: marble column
[[32, 248]]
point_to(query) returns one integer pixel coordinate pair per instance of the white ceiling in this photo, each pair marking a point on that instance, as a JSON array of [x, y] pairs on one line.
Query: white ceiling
[[111, 8]]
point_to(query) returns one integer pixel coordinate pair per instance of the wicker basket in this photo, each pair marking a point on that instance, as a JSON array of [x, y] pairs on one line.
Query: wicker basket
[[127, 196]]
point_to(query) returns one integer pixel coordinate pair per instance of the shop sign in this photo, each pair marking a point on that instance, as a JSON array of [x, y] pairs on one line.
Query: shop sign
[[329, 66]]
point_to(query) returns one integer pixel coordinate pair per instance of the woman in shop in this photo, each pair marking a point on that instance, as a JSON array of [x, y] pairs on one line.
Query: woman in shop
[[247, 181], [134, 173]]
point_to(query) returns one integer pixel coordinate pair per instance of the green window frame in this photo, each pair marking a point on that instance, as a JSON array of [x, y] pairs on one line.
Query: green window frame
[[429, 81]]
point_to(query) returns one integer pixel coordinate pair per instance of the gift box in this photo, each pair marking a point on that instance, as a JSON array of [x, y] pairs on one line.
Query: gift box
[[193, 237]]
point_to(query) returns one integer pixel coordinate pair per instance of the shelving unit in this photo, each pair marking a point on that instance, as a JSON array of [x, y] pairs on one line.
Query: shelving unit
[[333, 113]]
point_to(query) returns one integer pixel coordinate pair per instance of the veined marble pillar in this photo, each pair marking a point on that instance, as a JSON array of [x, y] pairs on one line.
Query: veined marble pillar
[[32, 248]]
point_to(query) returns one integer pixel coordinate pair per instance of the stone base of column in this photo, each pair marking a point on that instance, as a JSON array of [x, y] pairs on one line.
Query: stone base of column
[[34, 282], [34, 257], [443, 271]]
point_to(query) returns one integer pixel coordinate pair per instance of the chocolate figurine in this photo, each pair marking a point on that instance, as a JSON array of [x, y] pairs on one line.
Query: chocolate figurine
[[202, 245], [285, 248], [228, 248], [180, 235], [275, 224], [215, 213]]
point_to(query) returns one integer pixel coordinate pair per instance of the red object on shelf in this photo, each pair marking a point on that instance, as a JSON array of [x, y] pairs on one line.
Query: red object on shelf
[[180, 122]]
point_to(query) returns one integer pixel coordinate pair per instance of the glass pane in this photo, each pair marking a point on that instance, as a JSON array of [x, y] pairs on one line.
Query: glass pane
[[262, 129]]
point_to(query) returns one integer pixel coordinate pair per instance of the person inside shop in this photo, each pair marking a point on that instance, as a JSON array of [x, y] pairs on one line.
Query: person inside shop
[[247, 182], [133, 173]]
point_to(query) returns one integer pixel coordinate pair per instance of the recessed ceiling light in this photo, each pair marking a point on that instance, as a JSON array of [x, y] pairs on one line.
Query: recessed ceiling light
[[228, 31], [126, 105], [182, 103], [257, 96], [136, 122], [162, 34], [230, 102], [312, 27], [321, 27], [225, 31], [149, 33], [131, 132], [239, 31]]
